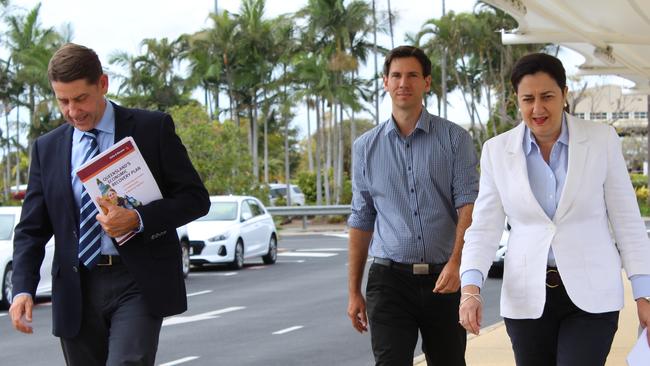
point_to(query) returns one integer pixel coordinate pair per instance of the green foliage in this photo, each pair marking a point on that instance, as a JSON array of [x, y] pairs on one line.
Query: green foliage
[[217, 150], [639, 180], [152, 80], [306, 180]]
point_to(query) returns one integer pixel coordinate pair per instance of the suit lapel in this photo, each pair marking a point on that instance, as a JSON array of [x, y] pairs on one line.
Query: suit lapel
[[578, 149], [64, 148], [123, 122], [517, 164]]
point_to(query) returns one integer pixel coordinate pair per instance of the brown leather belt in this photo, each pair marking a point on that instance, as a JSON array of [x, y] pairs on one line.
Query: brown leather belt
[[553, 278], [108, 260], [416, 268]]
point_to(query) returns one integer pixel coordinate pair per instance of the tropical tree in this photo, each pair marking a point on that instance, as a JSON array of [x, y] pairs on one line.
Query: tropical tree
[[152, 78], [478, 63], [30, 48], [214, 149]]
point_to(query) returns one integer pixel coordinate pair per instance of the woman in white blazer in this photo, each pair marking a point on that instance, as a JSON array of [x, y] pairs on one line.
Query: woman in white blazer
[[562, 183]]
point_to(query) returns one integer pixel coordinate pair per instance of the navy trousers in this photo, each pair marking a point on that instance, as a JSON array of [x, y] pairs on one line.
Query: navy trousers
[[564, 335], [116, 327]]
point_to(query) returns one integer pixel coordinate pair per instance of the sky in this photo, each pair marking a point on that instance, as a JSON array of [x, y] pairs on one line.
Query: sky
[[120, 25]]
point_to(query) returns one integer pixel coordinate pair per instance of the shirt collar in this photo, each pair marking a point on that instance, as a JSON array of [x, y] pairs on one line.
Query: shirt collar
[[529, 140], [423, 123], [106, 123]]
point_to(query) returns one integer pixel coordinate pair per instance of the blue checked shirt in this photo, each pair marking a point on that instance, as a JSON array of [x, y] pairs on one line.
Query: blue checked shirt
[[407, 189]]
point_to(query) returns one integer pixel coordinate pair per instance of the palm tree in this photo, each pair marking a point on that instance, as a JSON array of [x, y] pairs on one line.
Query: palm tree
[[30, 47], [153, 80], [212, 58]]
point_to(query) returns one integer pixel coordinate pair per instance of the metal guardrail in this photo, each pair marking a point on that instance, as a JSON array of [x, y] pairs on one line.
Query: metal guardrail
[[305, 211]]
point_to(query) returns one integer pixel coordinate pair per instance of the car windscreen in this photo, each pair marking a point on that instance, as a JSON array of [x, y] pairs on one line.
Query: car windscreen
[[221, 211], [6, 226], [274, 192]]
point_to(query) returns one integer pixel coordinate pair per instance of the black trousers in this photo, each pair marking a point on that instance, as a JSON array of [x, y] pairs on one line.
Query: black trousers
[[116, 327], [564, 335], [399, 304]]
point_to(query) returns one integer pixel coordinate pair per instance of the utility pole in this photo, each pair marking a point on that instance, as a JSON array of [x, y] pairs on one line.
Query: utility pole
[[390, 24], [443, 67], [374, 31], [216, 8]]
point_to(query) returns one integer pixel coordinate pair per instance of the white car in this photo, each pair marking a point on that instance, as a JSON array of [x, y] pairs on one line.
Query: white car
[[235, 228], [280, 190], [185, 249], [9, 217]]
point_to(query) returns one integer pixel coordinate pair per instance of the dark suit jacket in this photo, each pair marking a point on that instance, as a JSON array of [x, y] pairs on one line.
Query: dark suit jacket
[[153, 256]]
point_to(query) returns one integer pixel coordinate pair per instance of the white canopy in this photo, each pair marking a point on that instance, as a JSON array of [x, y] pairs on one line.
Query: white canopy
[[612, 35]]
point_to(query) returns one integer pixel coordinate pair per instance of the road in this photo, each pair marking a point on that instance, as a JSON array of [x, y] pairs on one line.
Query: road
[[290, 313]]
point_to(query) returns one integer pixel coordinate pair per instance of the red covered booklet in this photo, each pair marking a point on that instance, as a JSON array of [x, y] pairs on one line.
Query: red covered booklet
[[121, 175]]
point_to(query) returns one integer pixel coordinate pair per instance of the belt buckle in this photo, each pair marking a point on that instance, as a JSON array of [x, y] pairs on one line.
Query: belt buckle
[[421, 269], [546, 281], [110, 261]]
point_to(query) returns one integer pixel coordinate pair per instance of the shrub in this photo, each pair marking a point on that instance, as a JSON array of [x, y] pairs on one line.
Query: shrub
[[639, 180]]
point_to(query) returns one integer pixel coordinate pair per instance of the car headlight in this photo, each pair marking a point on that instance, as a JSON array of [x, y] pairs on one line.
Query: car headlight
[[220, 237]]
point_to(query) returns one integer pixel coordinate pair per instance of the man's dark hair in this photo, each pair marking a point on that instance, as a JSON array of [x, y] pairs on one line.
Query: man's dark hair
[[408, 51], [538, 62], [73, 62]]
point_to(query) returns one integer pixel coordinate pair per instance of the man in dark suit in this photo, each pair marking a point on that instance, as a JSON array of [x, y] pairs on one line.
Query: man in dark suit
[[107, 307]]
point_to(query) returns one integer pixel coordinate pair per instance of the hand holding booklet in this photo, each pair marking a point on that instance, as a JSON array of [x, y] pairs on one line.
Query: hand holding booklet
[[121, 176]]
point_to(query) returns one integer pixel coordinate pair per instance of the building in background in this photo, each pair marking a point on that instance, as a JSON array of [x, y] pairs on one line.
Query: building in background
[[628, 113]]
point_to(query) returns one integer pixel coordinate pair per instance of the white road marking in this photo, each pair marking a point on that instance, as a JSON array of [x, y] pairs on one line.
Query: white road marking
[[257, 267], [175, 320], [3, 314], [287, 330], [199, 293], [307, 254], [204, 274], [293, 261], [323, 250], [344, 236], [180, 361]]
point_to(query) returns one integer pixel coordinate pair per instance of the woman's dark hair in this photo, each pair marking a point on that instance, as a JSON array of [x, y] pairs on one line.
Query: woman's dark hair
[[536, 62], [539, 62]]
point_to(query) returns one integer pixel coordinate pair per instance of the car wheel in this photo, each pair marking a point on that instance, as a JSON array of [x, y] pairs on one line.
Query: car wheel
[[238, 262], [7, 288], [272, 254], [185, 258]]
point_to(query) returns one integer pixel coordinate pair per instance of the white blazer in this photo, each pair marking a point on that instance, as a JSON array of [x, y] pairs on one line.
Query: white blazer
[[597, 192]]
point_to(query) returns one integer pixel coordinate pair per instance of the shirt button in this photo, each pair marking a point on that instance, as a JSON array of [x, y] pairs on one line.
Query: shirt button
[[412, 190], [75, 269], [409, 169], [419, 237], [416, 213], [408, 145]]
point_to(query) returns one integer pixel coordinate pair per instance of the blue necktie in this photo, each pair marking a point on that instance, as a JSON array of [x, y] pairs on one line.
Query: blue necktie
[[90, 232]]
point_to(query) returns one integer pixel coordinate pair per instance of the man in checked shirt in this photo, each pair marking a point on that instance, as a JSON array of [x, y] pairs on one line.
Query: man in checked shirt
[[414, 183]]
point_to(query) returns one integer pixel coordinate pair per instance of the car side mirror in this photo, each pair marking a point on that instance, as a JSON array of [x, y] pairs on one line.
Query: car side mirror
[[246, 216]]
